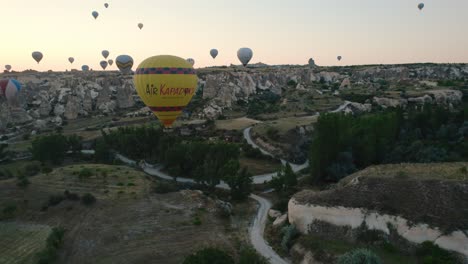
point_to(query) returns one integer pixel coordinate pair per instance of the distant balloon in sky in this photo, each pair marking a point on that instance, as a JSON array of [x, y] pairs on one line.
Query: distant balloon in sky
[[339, 58], [103, 64], [85, 68], [124, 63], [191, 61], [8, 67], [106, 5], [71, 59], [140, 25], [95, 14], [166, 84], [105, 54], [244, 55], [37, 56], [9, 88], [421, 6], [110, 62], [214, 53]]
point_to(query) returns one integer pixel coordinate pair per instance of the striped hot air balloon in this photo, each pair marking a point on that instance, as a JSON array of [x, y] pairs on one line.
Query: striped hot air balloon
[[124, 63], [9, 88], [166, 84]]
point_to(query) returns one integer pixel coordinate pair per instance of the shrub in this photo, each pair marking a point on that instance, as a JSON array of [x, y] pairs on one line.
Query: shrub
[[9, 210], [359, 256], [164, 187], [88, 199], [85, 173], [209, 256], [433, 254], [22, 182], [32, 169], [71, 196], [46, 170], [248, 255], [130, 184], [55, 199], [289, 233], [197, 221], [53, 243]]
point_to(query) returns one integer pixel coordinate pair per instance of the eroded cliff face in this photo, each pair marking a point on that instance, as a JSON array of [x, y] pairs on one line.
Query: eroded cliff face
[[307, 219]]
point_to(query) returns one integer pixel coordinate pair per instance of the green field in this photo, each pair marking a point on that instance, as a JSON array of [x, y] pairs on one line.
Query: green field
[[19, 243]]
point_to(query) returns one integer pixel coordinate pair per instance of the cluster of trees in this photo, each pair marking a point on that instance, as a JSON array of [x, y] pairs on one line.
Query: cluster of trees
[[247, 255], [265, 102], [344, 143], [52, 148], [208, 163]]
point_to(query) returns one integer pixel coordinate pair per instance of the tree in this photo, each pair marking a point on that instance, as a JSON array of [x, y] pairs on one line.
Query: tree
[[3, 152], [240, 181], [359, 256], [102, 151], [248, 255], [74, 143], [209, 256], [284, 180], [50, 148]]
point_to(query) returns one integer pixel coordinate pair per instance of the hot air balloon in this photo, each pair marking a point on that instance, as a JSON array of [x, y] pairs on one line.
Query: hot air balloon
[[214, 53], [8, 67], [110, 62], [103, 64], [191, 61], [140, 25], [85, 68], [244, 55], [105, 54], [339, 58], [37, 56], [166, 84], [106, 5], [95, 14], [71, 60], [10, 89], [421, 6], [124, 63]]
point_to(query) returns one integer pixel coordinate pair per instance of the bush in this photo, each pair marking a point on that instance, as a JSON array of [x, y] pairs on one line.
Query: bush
[[289, 233], [9, 210], [50, 148], [85, 173], [249, 255], [22, 182], [55, 199], [164, 187], [197, 221], [359, 256], [209, 256], [273, 133], [53, 243], [71, 196], [88, 199], [46, 170], [433, 254], [32, 169]]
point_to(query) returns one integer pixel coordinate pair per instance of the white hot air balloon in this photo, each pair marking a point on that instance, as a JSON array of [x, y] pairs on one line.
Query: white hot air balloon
[[214, 53], [140, 25], [71, 60], [421, 6], [245, 55], [124, 63], [103, 64], [37, 56], [95, 14], [339, 58], [106, 5], [105, 54], [110, 62], [191, 61], [85, 68], [8, 67]]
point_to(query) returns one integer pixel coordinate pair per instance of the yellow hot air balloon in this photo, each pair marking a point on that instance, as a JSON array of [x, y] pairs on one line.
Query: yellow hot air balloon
[[166, 84]]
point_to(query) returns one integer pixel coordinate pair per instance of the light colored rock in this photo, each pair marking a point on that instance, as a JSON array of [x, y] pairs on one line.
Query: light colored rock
[[274, 213], [390, 103], [59, 110], [72, 108], [125, 96], [40, 124], [302, 216], [280, 221], [345, 84], [108, 107]]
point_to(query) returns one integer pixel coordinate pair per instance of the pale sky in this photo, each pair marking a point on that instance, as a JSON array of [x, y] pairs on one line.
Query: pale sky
[[278, 31]]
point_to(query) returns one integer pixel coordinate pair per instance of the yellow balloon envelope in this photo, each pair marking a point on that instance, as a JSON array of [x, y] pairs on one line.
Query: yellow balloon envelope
[[166, 84]]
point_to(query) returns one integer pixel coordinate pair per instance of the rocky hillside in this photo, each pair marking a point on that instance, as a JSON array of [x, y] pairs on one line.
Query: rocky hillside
[[50, 98]]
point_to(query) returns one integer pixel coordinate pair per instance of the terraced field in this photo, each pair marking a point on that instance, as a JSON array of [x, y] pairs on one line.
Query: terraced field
[[19, 243]]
